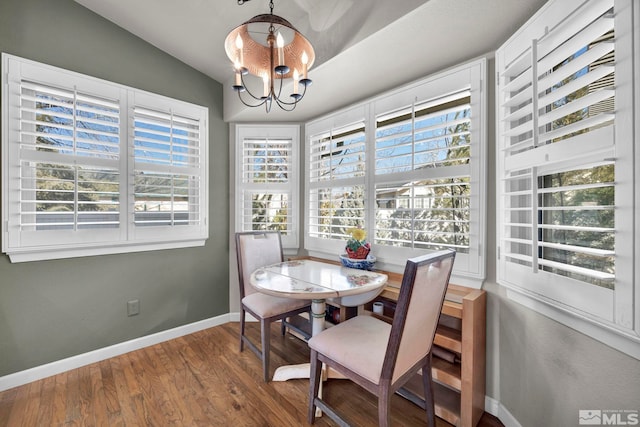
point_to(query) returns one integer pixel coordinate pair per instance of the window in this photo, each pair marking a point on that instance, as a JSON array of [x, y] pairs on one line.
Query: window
[[408, 167], [566, 167], [336, 182], [422, 201], [267, 182], [91, 167]]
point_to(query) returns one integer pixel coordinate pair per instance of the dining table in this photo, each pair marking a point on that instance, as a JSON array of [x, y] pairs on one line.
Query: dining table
[[317, 281]]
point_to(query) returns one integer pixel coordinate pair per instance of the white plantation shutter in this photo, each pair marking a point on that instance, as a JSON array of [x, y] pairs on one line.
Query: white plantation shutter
[[266, 171], [69, 171], [268, 180], [429, 175], [408, 168], [266, 161], [167, 169], [338, 154], [565, 159], [423, 175], [68, 122], [336, 181], [86, 162]]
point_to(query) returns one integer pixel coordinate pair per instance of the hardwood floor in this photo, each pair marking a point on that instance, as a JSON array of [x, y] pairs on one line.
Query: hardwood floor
[[197, 380]]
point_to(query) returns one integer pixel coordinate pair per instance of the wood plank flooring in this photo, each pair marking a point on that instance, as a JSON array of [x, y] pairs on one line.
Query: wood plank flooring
[[197, 380]]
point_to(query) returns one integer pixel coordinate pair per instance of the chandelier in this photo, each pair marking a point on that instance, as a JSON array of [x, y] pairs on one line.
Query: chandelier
[[283, 54]]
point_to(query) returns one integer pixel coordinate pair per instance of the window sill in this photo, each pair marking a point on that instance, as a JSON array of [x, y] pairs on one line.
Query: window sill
[[624, 341], [461, 279], [50, 253]]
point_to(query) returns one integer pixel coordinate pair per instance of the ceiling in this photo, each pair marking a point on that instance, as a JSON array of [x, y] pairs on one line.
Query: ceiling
[[363, 47]]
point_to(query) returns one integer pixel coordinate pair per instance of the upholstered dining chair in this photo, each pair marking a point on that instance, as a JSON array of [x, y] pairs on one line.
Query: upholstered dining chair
[[255, 250], [382, 357]]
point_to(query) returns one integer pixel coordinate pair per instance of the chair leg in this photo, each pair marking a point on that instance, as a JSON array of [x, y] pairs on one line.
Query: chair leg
[[384, 407], [314, 387], [265, 331], [428, 392], [242, 315], [283, 326]]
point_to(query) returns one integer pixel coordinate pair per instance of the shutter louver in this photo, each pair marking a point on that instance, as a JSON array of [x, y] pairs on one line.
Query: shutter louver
[[567, 105], [337, 171], [167, 175], [89, 166], [334, 210], [418, 182], [266, 161], [338, 155], [422, 173], [70, 151], [557, 103], [266, 180]]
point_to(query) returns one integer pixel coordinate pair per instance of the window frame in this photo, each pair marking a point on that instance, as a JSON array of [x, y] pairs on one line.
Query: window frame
[[470, 269], [125, 237], [610, 316], [290, 239], [350, 120]]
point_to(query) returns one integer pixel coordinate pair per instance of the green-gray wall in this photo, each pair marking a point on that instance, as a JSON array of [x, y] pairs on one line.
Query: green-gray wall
[[51, 310]]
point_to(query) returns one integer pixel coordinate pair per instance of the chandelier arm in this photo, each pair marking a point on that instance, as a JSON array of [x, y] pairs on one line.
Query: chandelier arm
[[264, 100], [280, 88], [285, 105], [246, 89], [282, 102]]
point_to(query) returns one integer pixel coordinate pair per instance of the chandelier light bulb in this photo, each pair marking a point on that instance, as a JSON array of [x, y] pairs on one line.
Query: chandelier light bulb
[[296, 77], [238, 76], [280, 44], [265, 81], [305, 61], [239, 45]]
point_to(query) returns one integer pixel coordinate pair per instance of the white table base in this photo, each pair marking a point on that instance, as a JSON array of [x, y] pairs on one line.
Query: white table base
[[303, 370], [289, 372]]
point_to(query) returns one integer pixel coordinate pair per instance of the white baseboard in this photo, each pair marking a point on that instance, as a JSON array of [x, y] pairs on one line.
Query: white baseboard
[[59, 366], [491, 405], [495, 408]]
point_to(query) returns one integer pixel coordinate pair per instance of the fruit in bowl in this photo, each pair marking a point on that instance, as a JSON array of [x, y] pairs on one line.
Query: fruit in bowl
[[357, 247]]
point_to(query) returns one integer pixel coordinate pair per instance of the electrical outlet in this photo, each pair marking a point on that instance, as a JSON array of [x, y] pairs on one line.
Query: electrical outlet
[[133, 307]]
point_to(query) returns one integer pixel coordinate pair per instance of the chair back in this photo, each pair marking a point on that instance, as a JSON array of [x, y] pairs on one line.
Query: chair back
[[424, 285], [255, 249]]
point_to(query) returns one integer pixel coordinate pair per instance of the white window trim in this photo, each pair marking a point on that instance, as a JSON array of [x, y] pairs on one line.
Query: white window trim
[[121, 240], [346, 120], [470, 270], [290, 241], [619, 328]]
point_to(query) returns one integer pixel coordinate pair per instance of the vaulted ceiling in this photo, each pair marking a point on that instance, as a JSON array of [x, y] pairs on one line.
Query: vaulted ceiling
[[363, 47]]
